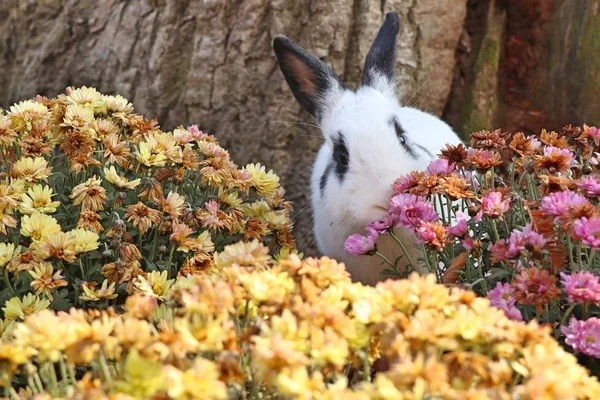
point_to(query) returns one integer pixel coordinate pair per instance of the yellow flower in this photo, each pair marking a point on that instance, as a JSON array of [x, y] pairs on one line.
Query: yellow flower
[[121, 182], [85, 240], [164, 317], [43, 332], [38, 226], [12, 356], [90, 194], [154, 284], [17, 308], [117, 104], [77, 116], [7, 133], [106, 292], [149, 156], [25, 112], [164, 143], [60, 245], [87, 97], [45, 279], [201, 381], [252, 254], [7, 253], [6, 327], [38, 198], [31, 169], [266, 183], [142, 377], [173, 205], [11, 192]]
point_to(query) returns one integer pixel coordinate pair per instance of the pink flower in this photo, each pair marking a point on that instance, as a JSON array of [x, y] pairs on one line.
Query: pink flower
[[384, 225], [434, 234], [359, 245], [590, 186], [196, 133], [501, 297], [588, 231], [558, 203], [583, 336], [460, 229], [555, 152], [581, 287], [402, 184], [440, 166], [412, 210], [493, 205], [594, 133]]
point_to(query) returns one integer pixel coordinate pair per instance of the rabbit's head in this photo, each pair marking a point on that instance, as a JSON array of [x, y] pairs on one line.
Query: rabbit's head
[[370, 139]]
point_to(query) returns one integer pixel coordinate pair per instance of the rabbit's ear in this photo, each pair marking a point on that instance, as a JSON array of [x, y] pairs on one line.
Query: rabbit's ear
[[313, 82], [380, 65]]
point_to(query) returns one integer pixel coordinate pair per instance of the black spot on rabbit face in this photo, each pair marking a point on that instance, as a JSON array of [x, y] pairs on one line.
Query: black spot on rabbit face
[[401, 134], [323, 180], [340, 157]]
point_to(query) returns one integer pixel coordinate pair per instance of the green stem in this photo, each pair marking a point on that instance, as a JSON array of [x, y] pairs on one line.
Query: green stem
[[495, 229], [384, 258], [404, 250], [105, 369], [13, 393], [427, 261], [7, 279], [563, 320], [53, 379], [591, 258], [169, 273], [38, 382], [63, 370], [83, 277], [570, 245]]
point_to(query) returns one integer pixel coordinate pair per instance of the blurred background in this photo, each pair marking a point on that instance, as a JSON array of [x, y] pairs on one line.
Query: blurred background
[[518, 65]]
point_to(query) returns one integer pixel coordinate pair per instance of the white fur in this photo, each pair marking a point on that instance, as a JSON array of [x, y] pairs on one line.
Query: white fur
[[376, 160]]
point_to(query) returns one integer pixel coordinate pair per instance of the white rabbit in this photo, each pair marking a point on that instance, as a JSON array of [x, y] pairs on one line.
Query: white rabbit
[[370, 141]]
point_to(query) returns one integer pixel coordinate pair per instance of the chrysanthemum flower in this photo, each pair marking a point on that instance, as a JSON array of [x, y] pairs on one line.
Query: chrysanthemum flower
[[7, 133], [502, 298], [172, 205], [589, 185], [460, 229], [45, 279], [38, 198], [581, 287], [88, 220], [407, 182], [201, 381], [77, 116], [38, 226], [555, 160], [149, 156], [19, 309], [8, 252], [154, 284], [142, 217], [494, 205], [454, 154], [483, 160], [266, 183], [59, 245], [90, 194], [117, 105], [440, 166], [25, 112], [593, 133], [359, 245], [411, 211], [434, 234], [455, 187], [535, 286], [164, 143], [583, 336], [116, 151], [84, 240], [105, 292], [33, 170], [121, 182], [588, 231], [558, 203], [85, 96], [495, 140], [553, 139]]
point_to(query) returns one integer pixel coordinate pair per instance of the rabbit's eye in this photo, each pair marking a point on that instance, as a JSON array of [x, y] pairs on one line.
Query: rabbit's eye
[[401, 134], [340, 156]]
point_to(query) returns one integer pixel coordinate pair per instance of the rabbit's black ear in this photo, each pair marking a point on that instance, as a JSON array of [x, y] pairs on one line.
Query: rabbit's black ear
[[312, 81], [380, 65]]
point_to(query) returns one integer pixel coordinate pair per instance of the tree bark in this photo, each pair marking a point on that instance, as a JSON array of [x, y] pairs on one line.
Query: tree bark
[[210, 62]]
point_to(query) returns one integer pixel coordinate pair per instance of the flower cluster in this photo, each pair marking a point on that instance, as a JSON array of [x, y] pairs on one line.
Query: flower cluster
[[523, 232], [97, 202], [300, 329]]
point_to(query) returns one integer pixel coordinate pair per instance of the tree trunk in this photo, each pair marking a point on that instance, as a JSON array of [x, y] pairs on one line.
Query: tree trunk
[[210, 62]]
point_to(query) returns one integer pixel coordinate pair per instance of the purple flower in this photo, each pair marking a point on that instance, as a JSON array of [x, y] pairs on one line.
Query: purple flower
[[440, 166], [558, 203], [590, 186], [588, 231], [460, 229], [412, 210], [493, 205], [383, 226], [581, 287], [501, 297], [359, 245], [583, 336]]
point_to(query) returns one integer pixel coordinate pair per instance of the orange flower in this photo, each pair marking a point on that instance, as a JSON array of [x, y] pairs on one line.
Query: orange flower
[[151, 190], [45, 279], [116, 151], [88, 220], [142, 217], [489, 140], [536, 287], [524, 146], [90, 195], [553, 139], [483, 159], [455, 187]]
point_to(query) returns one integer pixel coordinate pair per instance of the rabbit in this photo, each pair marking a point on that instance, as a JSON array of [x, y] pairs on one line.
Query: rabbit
[[370, 141]]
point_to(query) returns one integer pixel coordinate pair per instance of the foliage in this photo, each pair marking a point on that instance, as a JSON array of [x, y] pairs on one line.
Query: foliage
[[526, 235], [97, 202], [298, 329]]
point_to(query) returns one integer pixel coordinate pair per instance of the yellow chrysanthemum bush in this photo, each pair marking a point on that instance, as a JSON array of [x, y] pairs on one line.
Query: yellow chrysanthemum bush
[[97, 202], [290, 329]]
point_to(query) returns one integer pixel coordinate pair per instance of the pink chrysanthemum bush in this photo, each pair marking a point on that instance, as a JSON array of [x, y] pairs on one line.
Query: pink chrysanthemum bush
[[97, 202], [516, 219], [293, 329]]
